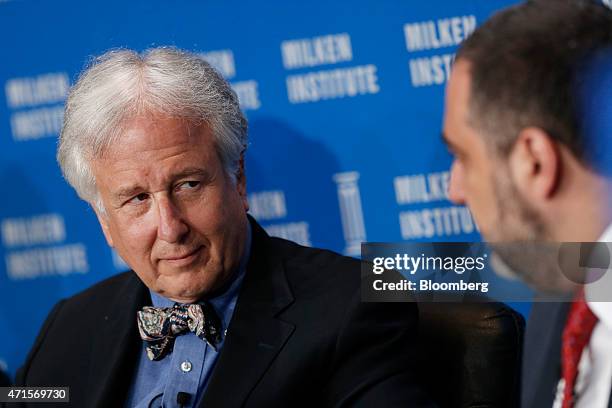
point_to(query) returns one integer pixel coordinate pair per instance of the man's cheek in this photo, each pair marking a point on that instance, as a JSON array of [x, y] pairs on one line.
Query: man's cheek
[[139, 233]]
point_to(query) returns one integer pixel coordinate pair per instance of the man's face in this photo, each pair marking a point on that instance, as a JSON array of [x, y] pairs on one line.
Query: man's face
[[480, 178], [172, 212]]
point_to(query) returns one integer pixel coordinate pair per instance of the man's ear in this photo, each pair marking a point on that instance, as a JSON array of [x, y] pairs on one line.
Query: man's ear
[[535, 164], [103, 220], [241, 183]]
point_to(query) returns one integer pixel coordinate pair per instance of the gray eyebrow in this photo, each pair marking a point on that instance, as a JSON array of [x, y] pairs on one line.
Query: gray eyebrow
[[132, 190]]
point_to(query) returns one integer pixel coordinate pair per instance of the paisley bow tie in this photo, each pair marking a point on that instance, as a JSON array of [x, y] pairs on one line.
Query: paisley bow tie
[[159, 326]]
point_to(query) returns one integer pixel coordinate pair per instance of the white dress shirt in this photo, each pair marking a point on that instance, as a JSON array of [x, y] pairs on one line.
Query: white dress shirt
[[594, 381]]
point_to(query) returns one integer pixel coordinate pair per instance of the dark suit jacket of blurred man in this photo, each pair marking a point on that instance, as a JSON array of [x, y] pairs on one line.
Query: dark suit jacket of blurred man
[[300, 336], [542, 354]]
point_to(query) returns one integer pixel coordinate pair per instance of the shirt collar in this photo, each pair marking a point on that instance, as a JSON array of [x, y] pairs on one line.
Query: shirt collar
[[602, 289], [607, 235]]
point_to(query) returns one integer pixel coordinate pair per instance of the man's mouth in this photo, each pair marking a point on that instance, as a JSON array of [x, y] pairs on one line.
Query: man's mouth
[[183, 259]]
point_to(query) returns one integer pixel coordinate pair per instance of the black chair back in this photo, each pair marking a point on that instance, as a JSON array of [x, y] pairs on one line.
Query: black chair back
[[471, 353]]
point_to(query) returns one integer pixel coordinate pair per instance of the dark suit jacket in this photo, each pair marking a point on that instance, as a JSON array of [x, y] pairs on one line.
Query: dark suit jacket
[[5, 381], [542, 354], [300, 336]]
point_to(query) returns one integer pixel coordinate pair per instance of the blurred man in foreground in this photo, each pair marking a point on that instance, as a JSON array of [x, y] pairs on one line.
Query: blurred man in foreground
[[215, 313], [532, 167]]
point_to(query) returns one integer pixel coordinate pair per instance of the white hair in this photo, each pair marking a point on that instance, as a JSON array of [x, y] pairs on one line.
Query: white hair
[[122, 84]]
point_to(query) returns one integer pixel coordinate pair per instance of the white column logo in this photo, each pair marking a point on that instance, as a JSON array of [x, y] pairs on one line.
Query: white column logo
[[350, 211]]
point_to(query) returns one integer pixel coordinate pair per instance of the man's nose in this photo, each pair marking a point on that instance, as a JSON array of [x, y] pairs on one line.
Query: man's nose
[[172, 228], [455, 186]]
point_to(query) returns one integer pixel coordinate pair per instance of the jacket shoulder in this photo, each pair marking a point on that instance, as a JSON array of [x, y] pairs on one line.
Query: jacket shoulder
[[315, 270], [101, 293], [315, 257]]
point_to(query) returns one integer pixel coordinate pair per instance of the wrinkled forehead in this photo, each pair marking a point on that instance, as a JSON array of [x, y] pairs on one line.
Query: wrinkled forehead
[[152, 153], [151, 132]]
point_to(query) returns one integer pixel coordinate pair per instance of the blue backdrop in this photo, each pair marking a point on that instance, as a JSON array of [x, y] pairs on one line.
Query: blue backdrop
[[344, 100]]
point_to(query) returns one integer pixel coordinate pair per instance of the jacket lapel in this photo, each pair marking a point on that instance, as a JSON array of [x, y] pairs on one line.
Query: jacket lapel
[[542, 354], [255, 334], [116, 347]]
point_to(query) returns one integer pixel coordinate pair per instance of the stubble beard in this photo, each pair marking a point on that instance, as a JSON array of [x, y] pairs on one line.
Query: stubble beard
[[522, 243]]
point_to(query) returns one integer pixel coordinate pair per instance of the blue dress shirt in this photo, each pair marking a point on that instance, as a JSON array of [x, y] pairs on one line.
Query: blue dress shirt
[[188, 367]]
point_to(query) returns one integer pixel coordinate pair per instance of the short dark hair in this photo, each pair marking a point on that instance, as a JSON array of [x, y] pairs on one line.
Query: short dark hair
[[523, 62]]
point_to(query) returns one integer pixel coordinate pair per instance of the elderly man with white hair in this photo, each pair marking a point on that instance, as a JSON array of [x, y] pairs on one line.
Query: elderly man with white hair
[[215, 313]]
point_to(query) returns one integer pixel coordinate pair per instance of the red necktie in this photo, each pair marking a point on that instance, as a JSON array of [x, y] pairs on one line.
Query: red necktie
[[576, 335]]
